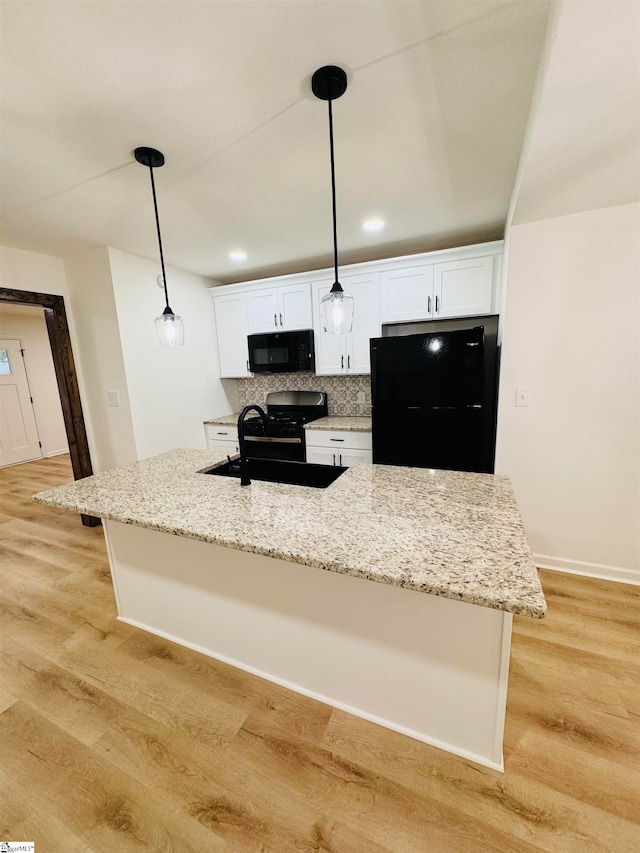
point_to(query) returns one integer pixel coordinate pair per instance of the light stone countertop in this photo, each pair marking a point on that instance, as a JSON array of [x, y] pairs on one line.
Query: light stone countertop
[[447, 533], [341, 422], [225, 420]]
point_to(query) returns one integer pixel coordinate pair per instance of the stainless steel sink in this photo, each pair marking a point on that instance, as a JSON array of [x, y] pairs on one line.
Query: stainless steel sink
[[281, 471]]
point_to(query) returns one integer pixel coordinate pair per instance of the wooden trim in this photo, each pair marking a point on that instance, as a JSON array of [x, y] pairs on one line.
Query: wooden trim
[[60, 340]]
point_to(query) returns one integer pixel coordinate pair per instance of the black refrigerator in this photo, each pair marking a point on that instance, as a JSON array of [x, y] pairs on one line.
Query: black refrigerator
[[434, 395]]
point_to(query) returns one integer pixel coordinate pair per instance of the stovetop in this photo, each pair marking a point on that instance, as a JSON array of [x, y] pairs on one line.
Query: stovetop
[[288, 412]]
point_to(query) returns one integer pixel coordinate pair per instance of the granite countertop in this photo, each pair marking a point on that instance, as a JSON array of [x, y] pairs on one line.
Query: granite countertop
[[447, 533], [225, 420], [341, 422]]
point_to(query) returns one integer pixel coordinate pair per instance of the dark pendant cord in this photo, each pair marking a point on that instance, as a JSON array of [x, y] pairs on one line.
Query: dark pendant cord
[[155, 207], [333, 197]]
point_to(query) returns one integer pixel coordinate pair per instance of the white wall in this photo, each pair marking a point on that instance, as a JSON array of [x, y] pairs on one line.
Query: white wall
[[20, 270], [571, 335], [100, 364], [27, 323], [172, 390]]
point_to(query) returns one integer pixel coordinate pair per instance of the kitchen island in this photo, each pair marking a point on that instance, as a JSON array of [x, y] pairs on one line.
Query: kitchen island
[[389, 594]]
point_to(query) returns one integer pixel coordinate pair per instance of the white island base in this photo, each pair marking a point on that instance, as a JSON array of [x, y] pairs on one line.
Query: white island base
[[431, 668]]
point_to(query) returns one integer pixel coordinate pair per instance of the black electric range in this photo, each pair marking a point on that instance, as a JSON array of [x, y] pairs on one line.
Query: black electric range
[[287, 413]]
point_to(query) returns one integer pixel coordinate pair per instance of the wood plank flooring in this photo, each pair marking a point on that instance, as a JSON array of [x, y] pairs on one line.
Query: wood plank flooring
[[113, 739]]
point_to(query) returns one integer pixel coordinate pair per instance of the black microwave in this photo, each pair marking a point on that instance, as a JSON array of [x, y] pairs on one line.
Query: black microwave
[[282, 352]]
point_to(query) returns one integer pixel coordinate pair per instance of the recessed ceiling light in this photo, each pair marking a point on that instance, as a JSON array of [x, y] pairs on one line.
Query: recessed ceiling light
[[373, 225], [238, 255]]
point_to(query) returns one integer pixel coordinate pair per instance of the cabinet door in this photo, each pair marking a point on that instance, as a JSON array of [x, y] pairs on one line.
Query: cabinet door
[[406, 294], [263, 311], [331, 350], [321, 456], [294, 310], [348, 457], [462, 288], [366, 321], [229, 447], [232, 328]]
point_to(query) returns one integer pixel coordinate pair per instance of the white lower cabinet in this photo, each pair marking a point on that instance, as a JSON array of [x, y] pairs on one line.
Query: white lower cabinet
[[339, 447], [222, 438]]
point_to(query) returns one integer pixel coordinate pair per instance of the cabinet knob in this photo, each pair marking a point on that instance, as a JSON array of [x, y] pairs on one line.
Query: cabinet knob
[[275, 320], [281, 319], [341, 362], [428, 305], [348, 362], [334, 458], [436, 304], [247, 365]]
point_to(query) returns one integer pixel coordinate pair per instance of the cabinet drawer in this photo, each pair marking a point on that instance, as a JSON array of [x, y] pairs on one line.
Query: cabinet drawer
[[217, 432], [337, 439]]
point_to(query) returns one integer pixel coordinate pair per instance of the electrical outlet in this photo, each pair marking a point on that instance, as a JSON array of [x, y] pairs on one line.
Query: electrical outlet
[[522, 396], [113, 398], [360, 398]]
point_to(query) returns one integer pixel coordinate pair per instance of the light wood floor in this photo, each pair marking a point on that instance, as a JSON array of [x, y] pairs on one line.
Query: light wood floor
[[112, 739]]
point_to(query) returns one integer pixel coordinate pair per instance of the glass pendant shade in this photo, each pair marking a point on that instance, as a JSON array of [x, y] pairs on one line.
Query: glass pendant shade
[[336, 310], [170, 329]]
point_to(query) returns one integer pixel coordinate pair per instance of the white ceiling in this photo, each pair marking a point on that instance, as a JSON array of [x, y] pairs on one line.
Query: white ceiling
[[584, 148], [428, 134]]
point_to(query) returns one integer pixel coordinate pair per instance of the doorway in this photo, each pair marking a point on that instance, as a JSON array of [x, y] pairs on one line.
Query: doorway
[[66, 378], [19, 440]]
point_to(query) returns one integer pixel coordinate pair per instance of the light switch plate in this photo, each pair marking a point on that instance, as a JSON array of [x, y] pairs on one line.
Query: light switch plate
[[523, 396], [360, 397], [113, 398]]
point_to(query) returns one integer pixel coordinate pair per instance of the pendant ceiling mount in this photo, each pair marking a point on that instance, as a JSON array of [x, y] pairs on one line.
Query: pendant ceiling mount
[[329, 83], [150, 157]]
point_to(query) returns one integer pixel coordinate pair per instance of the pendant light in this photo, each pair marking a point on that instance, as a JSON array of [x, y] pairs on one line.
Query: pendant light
[[336, 307], [169, 326]]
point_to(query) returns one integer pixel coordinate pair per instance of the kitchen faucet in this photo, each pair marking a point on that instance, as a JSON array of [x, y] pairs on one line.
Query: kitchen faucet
[[244, 471]]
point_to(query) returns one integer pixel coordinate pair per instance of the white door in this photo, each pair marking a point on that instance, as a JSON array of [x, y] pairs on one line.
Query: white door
[[295, 306], [232, 329], [366, 320], [264, 311], [18, 433], [406, 294], [463, 288], [331, 350]]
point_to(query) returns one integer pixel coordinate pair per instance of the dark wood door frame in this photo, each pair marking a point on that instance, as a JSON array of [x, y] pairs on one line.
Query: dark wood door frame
[[60, 340]]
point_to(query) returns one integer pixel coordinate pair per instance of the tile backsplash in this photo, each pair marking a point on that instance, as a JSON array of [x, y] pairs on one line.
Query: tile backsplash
[[341, 391]]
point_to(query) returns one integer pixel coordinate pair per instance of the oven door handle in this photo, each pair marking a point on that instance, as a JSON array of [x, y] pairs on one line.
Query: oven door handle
[[272, 438]]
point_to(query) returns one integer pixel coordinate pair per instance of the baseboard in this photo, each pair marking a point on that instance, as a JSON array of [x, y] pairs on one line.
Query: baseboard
[[588, 570], [51, 453]]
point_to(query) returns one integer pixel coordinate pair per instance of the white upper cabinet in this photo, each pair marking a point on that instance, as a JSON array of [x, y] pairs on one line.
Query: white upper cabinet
[[232, 328], [457, 288], [406, 294], [463, 288], [280, 309], [366, 320], [348, 353], [457, 282]]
